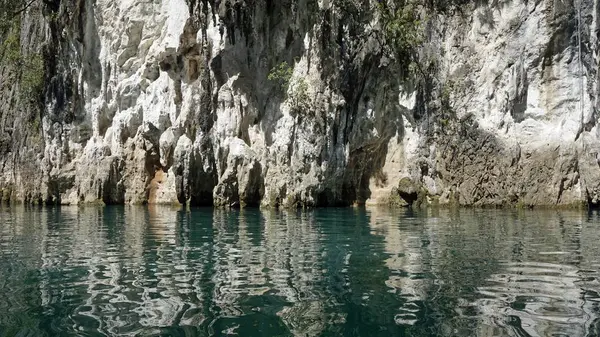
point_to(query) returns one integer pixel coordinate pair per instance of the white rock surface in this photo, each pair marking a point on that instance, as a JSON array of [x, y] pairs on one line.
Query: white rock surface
[[172, 109]]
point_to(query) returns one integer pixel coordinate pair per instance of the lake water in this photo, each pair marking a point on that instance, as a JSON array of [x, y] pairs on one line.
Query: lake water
[[146, 271]]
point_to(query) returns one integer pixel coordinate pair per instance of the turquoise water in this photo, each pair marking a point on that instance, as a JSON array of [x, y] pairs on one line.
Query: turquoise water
[[160, 271]]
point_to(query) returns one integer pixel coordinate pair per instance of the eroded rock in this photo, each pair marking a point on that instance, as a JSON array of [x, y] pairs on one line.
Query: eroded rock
[[164, 101]]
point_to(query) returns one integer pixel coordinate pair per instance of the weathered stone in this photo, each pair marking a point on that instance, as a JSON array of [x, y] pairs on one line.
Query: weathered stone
[[161, 102], [408, 190]]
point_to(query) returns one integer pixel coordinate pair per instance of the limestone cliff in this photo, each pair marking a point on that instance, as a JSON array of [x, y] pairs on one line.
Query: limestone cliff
[[168, 101]]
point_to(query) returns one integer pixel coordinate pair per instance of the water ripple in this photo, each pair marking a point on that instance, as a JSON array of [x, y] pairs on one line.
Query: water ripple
[[130, 271]]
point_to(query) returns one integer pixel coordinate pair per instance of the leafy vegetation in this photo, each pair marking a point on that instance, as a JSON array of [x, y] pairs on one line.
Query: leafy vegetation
[[281, 75], [448, 88], [299, 99], [10, 48], [403, 33], [401, 28], [32, 77], [28, 66], [296, 91]]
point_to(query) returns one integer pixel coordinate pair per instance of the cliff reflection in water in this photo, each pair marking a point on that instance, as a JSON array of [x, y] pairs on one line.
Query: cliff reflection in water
[[328, 272]]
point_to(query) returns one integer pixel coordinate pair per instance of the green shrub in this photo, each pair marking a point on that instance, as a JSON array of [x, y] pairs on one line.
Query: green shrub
[[32, 76], [295, 91], [401, 33], [299, 98], [11, 50], [281, 75], [401, 26]]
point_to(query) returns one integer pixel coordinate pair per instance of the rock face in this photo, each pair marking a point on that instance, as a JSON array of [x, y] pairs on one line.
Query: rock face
[[171, 102]]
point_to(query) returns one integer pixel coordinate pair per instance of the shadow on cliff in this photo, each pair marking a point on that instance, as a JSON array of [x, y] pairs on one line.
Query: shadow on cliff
[[251, 33], [65, 95], [371, 115], [351, 70]]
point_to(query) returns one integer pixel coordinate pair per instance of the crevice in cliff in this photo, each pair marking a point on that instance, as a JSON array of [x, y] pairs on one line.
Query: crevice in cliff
[[592, 204]]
